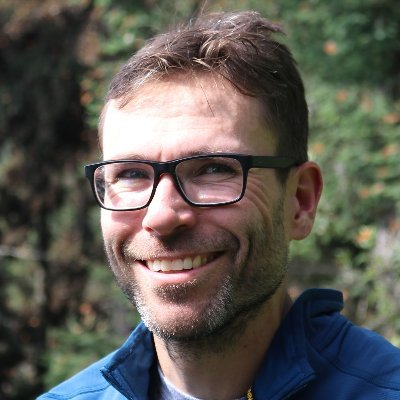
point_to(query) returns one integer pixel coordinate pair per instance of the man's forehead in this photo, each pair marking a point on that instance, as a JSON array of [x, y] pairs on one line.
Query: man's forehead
[[213, 88], [187, 95], [182, 108]]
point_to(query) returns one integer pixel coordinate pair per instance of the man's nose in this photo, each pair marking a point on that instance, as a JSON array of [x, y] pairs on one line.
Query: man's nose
[[168, 211]]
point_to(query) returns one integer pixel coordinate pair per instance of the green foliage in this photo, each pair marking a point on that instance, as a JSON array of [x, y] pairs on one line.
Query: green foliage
[[103, 322], [349, 55], [352, 41], [86, 346], [357, 227], [59, 307]]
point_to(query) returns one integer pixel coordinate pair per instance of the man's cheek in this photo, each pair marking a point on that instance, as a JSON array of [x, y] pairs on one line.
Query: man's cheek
[[115, 224]]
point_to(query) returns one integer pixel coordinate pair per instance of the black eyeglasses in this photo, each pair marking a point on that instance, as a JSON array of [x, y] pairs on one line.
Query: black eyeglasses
[[203, 181]]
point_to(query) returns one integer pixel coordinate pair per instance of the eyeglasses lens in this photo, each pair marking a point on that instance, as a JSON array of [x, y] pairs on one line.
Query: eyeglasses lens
[[128, 185]]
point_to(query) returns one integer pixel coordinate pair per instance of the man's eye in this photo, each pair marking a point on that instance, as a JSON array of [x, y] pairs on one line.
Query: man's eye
[[216, 168], [132, 174]]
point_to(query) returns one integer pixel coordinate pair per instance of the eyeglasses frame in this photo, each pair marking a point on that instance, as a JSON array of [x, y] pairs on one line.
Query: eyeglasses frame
[[162, 167]]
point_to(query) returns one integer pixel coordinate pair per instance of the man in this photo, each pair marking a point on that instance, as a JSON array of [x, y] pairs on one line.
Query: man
[[205, 183]]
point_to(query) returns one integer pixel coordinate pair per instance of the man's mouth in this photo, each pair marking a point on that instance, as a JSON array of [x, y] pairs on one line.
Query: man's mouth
[[179, 264]]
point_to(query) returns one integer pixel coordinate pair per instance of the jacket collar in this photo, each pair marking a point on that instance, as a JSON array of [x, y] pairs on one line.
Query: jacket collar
[[285, 369], [129, 369]]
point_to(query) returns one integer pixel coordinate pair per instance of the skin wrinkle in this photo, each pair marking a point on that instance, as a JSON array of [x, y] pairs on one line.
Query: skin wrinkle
[[208, 317], [138, 97], [223, 86], [225, 319]]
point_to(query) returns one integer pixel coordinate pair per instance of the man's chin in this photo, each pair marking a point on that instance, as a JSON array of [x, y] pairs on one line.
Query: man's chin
[[198, 326], [178, 327], [181, 334]]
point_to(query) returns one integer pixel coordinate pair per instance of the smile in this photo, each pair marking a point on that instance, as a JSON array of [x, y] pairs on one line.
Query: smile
[[178, 264]]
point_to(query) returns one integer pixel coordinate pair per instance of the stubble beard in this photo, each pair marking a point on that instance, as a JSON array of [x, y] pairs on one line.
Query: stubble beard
[[236, 301]]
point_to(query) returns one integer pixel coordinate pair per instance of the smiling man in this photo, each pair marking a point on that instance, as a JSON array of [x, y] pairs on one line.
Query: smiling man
[[204, 184]]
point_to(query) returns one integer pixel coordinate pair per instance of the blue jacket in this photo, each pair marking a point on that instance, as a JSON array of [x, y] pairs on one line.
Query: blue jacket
[[316, 354]]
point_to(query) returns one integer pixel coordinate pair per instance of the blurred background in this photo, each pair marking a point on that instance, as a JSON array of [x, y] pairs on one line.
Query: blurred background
[[59, 307]]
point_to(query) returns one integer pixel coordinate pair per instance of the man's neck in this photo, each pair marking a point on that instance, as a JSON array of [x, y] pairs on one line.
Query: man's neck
[[223, 366]]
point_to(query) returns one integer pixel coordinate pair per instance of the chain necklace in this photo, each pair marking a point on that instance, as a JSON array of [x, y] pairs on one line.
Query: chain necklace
[[249, 395]]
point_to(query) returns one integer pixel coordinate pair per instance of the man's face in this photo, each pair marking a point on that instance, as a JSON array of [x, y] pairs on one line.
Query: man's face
[[217, 262]]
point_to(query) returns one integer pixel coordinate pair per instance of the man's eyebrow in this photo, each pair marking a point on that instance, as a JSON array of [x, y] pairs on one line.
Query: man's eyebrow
[[128, 157], [141, 157]]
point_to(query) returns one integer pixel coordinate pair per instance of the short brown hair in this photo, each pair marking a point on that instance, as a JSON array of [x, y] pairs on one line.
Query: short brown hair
[[240, 47]]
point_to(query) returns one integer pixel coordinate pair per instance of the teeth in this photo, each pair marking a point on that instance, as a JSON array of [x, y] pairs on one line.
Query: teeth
[[165, 265], [177, 264], [197, 262], [156, 265], [187, 263]]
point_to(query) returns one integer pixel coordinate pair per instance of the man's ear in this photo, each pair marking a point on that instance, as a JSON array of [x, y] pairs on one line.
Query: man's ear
[[304, 188]]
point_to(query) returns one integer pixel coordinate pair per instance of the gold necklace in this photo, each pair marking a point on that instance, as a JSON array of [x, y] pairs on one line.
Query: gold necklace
[[250, 395]]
